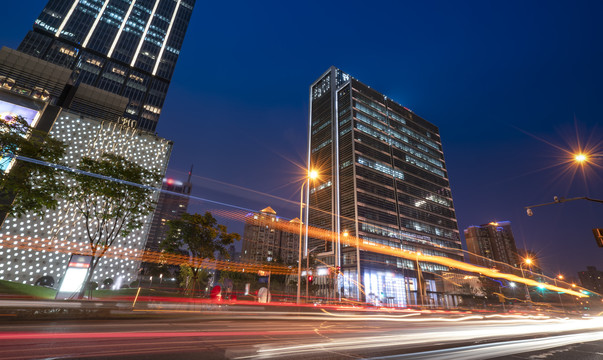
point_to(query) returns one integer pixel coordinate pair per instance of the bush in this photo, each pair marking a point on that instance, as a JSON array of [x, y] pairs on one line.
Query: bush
[[46, 281], [107, 283]]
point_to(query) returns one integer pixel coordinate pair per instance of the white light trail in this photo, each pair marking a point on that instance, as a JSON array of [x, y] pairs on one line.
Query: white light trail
[[478, 330]]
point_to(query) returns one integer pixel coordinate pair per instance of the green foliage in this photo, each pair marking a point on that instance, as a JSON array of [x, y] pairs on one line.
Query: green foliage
[[155, 269], [189, 281], [202, 236], [34, 187], [111, 209]]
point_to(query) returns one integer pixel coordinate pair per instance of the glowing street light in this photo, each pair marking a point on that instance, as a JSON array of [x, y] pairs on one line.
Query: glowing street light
[[312, 175], [527, 261], [560, 277], [580, 158]]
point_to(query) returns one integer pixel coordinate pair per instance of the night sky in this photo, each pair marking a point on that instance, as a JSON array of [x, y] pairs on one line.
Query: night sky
[[512, 86]]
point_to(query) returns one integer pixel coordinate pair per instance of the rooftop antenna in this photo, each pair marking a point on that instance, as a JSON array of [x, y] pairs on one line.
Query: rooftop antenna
[[190, 173]]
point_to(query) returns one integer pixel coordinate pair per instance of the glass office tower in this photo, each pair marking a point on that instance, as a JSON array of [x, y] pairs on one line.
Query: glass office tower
[[126, 47], [382, 179]]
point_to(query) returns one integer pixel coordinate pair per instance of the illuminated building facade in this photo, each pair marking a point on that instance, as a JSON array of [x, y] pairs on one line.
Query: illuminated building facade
[[383, 179], [491, 244], [264, 241], [128, 48], [101, 70], [61, 229]]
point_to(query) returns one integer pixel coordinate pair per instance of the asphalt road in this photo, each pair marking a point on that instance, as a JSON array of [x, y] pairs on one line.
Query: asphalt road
[[304, 336]]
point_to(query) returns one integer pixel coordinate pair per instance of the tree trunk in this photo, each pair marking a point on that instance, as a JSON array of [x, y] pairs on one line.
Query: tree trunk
[[93, 265]]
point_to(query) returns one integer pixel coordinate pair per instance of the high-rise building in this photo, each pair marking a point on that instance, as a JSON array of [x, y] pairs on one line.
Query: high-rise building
[[172, 203], [264, 240], [592, 279], [383, 179], [128, 48], [491, 244], [93, 74]]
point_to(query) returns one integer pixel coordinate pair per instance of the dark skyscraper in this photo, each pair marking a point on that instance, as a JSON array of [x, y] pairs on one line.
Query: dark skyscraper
[[382, 178], [592, 279], [173, 202], [126, 47]]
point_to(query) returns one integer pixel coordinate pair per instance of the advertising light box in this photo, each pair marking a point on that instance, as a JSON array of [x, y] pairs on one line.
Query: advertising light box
[[75, 276], [8, 113]]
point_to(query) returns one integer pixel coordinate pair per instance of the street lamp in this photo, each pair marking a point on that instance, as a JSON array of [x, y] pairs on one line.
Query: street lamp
[[560, 277], [580, 158], [312, 174], [527, 261], [559, 200], [419, 280], [337, 288], [308, 269]]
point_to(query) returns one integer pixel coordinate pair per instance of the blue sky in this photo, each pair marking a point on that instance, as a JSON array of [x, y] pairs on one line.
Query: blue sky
[[510, 84]]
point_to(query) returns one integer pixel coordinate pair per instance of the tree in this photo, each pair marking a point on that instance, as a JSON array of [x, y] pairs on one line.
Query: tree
[[111, 209], [28, 186], [186, 278], [202, 236]]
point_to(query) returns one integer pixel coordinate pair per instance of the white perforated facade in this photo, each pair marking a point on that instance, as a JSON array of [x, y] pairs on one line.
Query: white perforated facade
[[61, 227]]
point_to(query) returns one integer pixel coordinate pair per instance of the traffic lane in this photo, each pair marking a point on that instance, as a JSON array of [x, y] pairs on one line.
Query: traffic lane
[[242, 338], [153, 339]]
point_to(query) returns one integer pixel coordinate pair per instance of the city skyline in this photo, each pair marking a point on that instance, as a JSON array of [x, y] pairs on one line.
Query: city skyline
[[490, 158]]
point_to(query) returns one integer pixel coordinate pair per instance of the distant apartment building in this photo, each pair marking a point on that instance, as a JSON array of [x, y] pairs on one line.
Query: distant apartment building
[[173, 202], [264, 240], [491, 244], [592, 279]]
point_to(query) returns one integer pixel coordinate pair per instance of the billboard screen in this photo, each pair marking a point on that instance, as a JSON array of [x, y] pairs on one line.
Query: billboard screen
[[8, 112]]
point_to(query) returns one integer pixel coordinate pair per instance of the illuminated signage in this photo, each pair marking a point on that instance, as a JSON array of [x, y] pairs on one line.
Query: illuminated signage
[[127, 122], [75, 276]]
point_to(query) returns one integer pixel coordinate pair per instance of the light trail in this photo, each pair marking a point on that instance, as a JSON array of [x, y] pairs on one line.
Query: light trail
[[227, 214], [499, 349], [39, 244], [421, 337], [353, 241], [319, 234]]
